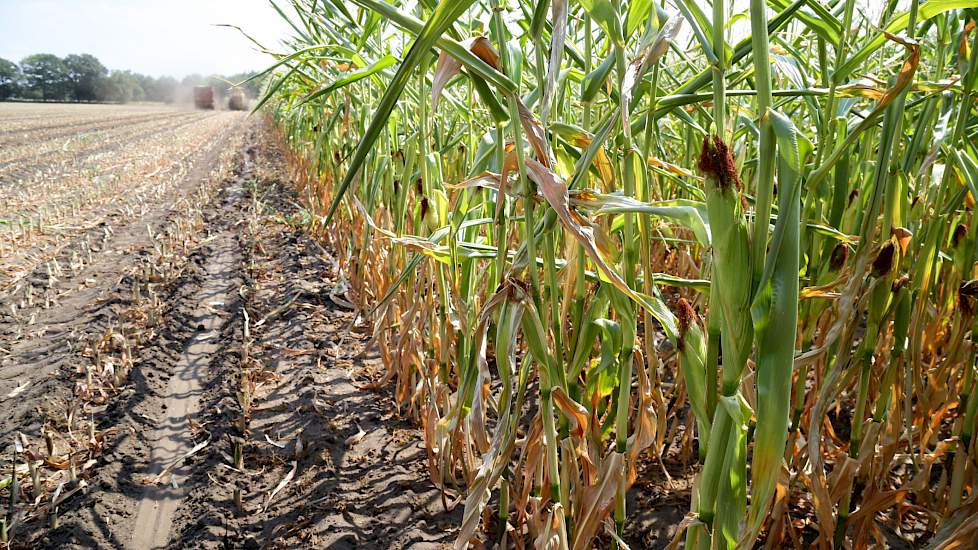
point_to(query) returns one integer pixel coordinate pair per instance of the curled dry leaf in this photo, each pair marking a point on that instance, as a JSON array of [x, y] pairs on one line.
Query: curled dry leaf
[[598, 500], [355, 438], [555, 192], [281, 485], [18, 390], [160, 477]]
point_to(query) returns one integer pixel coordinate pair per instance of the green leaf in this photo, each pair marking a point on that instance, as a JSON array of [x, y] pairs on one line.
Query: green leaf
[[702, 29], [354, 76], [603, 13], [498, 112], [446, 14], [821, 22], [775, 316], [898, 24], [594, 80], [539, 18], [603, 377], [415, 26], [638, 13], [741, 51], [273, 88], [689, 214]]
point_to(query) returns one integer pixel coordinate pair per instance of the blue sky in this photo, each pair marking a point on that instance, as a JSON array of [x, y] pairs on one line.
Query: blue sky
[[156, 37]]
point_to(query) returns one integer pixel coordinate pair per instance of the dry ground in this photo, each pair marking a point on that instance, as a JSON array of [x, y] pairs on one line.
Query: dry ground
[[169, 337]]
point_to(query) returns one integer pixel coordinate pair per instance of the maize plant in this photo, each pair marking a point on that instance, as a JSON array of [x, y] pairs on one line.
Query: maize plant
[[588, 234]]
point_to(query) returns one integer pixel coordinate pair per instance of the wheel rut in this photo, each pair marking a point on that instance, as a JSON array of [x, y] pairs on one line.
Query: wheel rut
[[158, 291], [247, 349], [173, 439], [30, 354]]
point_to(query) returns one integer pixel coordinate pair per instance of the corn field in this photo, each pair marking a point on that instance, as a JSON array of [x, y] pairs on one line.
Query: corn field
[[587, 235]]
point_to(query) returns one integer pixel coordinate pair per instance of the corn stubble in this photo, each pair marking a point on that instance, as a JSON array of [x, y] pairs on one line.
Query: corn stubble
[[39, 476], [591, 234]]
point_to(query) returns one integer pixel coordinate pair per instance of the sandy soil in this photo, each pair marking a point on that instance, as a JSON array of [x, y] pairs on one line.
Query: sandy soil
[[221, 298]]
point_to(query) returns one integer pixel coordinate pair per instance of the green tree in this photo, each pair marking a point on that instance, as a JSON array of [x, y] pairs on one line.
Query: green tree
[[85, 72], [10, 77], [162, 89], [147, 83], [166, 89], [120, 87], [45, 76]]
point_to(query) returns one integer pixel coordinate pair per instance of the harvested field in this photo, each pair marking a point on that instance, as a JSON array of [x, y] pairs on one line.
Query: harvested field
[[498, 276], [178, 364]]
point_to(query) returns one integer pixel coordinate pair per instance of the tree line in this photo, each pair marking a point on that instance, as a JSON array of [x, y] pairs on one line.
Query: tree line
[[82, 77]]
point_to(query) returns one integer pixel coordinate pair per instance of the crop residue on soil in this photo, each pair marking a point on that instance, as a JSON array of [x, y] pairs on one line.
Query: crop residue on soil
[[200, 358]]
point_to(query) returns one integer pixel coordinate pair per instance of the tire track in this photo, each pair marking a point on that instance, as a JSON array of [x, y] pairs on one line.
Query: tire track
[[49, 361], [173, 438]]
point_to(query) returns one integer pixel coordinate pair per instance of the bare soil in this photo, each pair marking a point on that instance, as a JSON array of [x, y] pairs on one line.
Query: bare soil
[[343, 488], [247, 305]]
